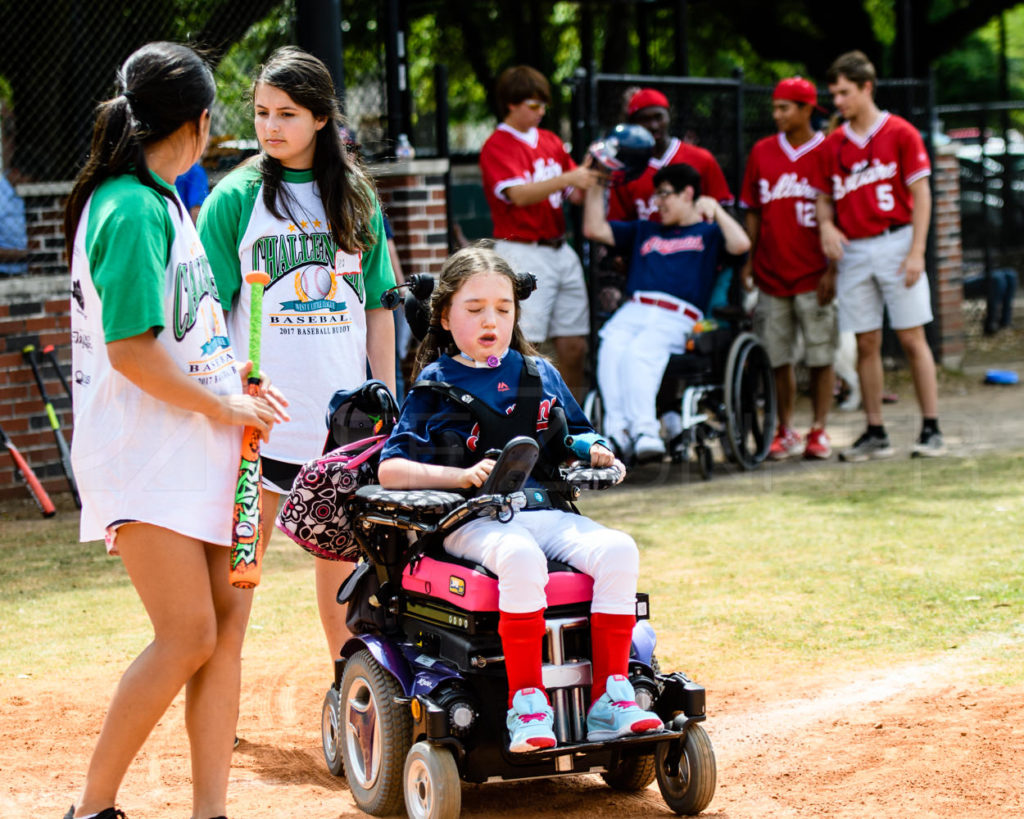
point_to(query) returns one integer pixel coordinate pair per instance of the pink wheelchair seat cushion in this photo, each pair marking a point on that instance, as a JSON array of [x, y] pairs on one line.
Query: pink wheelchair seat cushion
[[476, 589]]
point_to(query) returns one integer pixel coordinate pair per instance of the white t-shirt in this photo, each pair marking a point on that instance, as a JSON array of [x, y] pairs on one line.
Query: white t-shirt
[[313, 338], [138, 265]]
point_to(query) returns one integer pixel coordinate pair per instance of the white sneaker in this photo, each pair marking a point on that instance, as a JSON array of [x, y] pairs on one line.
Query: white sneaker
[[649, 448], [672, 425]]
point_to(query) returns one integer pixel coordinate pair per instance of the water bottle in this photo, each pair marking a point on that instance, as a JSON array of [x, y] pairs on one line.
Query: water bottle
[[404, 149]]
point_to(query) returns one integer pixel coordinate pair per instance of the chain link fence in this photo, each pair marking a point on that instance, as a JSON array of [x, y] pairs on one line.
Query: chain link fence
[[58, 60]]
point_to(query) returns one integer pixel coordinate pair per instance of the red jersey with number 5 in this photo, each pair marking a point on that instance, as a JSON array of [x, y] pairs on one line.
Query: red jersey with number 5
[[869, 177], [788, 258], [635, 200], [510, 157]]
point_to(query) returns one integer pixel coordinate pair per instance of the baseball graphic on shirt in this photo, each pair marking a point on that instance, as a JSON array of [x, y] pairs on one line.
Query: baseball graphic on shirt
[[316, 283]]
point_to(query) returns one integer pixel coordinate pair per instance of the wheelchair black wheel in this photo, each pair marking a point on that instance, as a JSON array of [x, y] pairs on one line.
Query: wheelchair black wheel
[[630, 773], [688, 789], [593, 408], [375, 735], [750, 402], [330, 729], [705, 460]]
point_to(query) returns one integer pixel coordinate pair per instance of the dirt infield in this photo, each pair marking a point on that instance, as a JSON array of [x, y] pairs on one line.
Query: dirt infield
[[914, 741], [918, 741]]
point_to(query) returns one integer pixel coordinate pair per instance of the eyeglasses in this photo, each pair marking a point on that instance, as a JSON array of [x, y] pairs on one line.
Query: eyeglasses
[[535, 105], [663, 194]]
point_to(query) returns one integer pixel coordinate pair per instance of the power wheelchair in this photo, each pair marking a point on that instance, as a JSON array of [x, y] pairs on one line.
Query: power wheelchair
[[419, 695]]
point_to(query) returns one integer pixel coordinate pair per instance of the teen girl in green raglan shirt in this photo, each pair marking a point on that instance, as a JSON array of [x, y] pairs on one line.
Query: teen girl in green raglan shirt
[[303, 212], [158, 416]]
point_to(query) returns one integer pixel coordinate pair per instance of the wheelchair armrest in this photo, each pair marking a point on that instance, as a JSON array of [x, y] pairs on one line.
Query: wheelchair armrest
[[730, 312], [502, 506], [583, 476]]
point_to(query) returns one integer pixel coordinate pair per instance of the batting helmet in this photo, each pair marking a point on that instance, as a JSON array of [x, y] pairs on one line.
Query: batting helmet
[[626, 148]]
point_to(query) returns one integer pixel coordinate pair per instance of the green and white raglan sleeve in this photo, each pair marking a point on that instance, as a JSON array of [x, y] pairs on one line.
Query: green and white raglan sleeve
[[128, 241], [378, 274], [222, 222]]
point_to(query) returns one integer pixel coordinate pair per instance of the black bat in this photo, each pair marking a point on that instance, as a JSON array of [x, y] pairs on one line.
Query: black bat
[[34, 486], [48, 351], [29, 352]]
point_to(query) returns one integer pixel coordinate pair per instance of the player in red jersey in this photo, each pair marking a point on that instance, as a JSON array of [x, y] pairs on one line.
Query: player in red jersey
[[795, 280], [526, 175], [635, 200], [874, 209]]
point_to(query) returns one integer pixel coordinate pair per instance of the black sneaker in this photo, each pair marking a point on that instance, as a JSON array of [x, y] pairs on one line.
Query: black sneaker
[[866, 447], [929, 444], [106, 813]]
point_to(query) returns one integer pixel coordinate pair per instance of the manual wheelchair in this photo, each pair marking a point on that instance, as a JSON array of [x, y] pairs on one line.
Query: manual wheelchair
[[419, 696], [723, 387]]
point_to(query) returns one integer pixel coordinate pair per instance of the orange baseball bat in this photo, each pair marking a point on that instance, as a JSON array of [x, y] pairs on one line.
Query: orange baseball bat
[[247, 529]]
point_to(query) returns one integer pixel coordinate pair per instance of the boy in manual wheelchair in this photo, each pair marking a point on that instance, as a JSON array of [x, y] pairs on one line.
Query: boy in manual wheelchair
[[435, 627], [671, 275]]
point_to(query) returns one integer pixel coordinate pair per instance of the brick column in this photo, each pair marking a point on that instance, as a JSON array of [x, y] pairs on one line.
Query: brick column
[[412, 194], [949, 256]]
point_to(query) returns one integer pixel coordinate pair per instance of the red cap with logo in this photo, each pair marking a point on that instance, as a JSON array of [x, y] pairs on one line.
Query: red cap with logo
[[797, 89], [645, 98]]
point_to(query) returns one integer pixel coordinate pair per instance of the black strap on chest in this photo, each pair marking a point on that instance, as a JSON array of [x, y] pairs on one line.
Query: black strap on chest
[[497, 428]]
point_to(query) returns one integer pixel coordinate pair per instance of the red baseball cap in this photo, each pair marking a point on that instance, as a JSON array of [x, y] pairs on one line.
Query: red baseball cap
[[645, 98], [797, 89]]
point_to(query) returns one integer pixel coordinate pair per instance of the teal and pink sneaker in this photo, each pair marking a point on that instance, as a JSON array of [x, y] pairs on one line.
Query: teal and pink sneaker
[[615, 714], [530, 721]]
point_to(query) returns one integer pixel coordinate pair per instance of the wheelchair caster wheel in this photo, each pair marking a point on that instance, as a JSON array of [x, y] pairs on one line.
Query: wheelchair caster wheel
[[705, 460]]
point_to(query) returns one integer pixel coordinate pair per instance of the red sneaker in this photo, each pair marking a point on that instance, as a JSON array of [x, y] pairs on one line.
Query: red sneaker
[[786, 443], [818, 445]]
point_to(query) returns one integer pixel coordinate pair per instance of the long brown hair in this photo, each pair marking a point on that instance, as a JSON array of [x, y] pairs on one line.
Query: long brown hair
[[161, 86], [457, 270], [345, 189]]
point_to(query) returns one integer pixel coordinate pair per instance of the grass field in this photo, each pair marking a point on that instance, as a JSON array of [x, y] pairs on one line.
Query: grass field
[[832, 568]]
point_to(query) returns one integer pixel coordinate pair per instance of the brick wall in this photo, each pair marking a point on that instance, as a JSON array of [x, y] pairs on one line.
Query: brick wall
[[413, 196], [949, 256], [34, 309]]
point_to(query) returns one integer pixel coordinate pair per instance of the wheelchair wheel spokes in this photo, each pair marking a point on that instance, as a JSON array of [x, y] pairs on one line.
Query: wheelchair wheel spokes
[[749, 401]]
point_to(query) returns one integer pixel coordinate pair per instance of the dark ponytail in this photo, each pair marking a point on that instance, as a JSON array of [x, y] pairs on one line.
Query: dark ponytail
[[161, 87], [345, 189]]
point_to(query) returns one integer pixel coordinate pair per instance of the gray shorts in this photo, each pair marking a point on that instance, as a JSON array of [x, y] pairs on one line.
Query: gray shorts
[[559, 306], [870, 281], [777, 320]]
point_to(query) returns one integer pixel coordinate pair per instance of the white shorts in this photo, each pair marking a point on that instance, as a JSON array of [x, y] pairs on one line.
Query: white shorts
[[870, 281], [559, 306]]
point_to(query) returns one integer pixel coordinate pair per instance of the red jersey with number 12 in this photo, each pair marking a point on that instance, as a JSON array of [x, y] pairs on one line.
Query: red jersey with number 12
[[510, 157], [788, 257], [869, 177]]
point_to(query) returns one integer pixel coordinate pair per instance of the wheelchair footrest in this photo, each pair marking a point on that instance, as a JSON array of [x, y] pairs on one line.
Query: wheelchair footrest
[[634, 742]]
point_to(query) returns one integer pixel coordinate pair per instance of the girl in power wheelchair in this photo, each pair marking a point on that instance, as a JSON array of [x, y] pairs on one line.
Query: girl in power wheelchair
[[498, 634], [476, 355]]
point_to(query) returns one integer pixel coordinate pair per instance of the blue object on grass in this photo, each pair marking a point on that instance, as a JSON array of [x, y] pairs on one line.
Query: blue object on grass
[[1001, 377]]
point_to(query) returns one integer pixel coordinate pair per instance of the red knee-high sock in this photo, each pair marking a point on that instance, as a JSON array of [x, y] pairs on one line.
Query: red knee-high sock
[[522, 639], [611, 636]]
